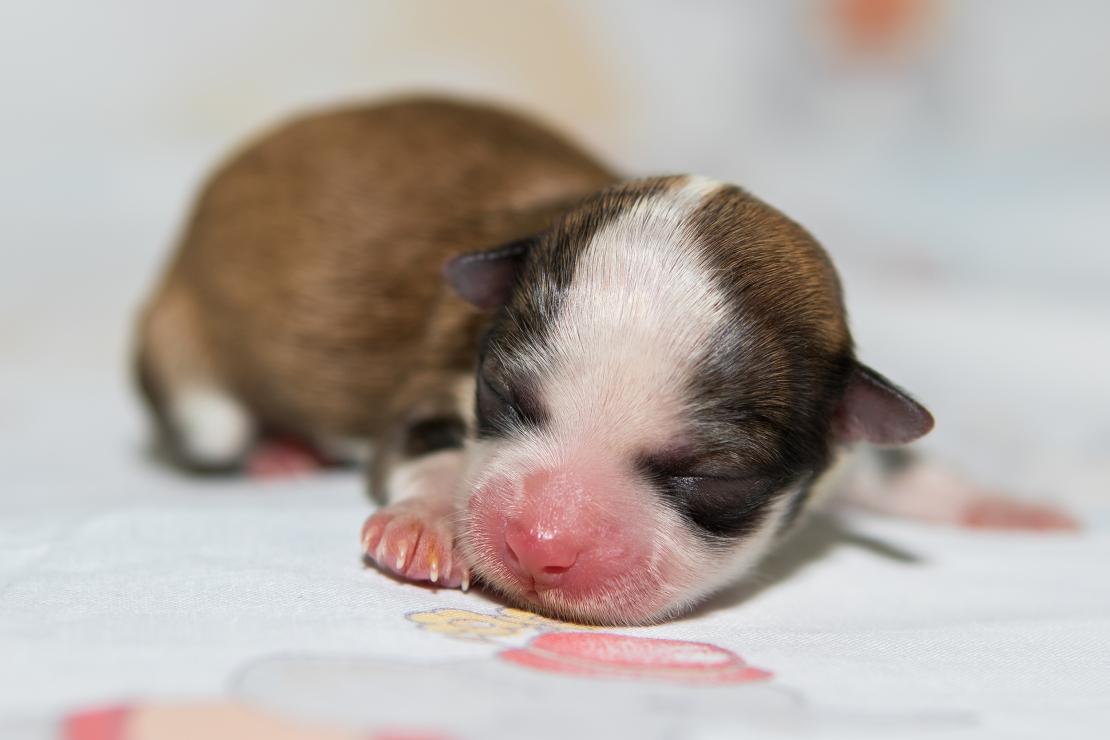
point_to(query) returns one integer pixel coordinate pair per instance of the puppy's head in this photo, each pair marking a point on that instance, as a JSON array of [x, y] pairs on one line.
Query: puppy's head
[[668, 373]]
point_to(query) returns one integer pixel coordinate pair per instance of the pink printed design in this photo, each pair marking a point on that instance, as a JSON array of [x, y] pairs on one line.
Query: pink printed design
[[601, 655], [99, 724], [575, 649], [216, 720]]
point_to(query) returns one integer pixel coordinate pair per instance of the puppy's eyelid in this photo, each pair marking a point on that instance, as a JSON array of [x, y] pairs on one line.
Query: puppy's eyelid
[[503, 393], [696, 476], [693, 469], [667, 464]]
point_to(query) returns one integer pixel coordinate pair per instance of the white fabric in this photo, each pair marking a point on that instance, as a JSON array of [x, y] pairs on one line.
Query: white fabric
[[120, 580]]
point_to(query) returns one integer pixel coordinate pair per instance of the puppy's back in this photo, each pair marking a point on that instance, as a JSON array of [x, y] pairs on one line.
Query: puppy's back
[[308, 280]]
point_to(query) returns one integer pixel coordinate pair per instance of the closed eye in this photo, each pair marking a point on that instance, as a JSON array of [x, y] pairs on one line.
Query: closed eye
[[720, 506], [505, 405], [712, 489], [496, 413]]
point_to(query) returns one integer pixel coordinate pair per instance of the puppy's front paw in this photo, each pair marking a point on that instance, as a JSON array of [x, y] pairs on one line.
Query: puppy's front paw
[[414, 540]]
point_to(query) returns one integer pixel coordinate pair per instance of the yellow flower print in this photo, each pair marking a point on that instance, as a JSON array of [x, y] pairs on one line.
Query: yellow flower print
[[468, 625], [535, 621]]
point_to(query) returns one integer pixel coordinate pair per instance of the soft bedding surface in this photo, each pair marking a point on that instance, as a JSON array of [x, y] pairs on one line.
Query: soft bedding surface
[[961, 185], [123, 583]]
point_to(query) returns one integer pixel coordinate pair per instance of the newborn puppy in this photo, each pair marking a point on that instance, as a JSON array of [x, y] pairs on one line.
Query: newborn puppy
[[604, 398]]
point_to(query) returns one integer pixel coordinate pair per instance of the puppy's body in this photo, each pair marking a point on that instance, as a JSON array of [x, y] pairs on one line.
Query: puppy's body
[[662, 367], [308, 282]]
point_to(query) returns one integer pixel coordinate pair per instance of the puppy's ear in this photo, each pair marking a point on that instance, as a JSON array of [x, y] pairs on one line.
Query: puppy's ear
[[485, 278], [875, 410]]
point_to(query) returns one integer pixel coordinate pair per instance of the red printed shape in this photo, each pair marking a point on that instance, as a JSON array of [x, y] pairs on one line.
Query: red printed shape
[[284, 457], [97, 724], [601, 655]]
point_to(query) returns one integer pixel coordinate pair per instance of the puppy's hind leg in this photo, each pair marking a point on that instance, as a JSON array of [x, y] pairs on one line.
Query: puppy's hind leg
[[202, 426], [897, 482]]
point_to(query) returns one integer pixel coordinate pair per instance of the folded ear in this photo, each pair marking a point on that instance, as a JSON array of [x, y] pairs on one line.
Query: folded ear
[[875, 410], [485, 278]]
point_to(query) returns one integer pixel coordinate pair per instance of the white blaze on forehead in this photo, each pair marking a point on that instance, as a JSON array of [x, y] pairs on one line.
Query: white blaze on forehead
[[640, 312]]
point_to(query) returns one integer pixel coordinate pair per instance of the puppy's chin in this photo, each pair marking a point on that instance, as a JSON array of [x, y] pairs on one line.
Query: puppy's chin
[[611, 606], [641, 594]]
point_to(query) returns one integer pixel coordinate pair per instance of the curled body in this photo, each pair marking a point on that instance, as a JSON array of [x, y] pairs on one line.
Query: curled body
[[604, 398]]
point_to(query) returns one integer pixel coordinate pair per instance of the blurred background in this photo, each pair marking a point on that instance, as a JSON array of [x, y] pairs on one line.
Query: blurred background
[[952, 155]]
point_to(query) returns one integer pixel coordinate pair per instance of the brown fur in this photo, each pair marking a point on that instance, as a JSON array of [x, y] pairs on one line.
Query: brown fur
[[776, 382], [308, 280], [309, 298]]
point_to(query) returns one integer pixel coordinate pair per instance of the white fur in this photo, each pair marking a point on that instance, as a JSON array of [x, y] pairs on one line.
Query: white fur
[[430, 476], [640, 312], [345, 449], [214, 428], [744, 556]]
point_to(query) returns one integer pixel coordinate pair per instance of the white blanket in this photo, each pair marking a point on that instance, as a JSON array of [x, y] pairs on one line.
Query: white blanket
[[122, 581]]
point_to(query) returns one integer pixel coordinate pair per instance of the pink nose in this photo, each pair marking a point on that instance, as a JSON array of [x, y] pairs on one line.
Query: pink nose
[[543, 556]]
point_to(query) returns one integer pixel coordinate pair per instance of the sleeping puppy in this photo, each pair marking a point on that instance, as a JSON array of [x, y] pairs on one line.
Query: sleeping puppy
[[604, 398]]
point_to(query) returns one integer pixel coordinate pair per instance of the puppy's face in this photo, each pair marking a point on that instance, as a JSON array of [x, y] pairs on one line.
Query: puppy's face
[[661, 389]]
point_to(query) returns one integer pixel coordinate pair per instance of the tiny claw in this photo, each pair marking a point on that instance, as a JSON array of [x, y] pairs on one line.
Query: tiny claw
[[433, 576], [379, 554], [466, 580], [401, 559], [367, 537]]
